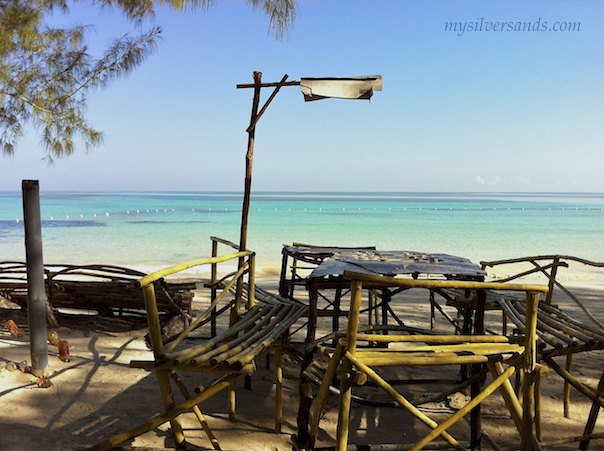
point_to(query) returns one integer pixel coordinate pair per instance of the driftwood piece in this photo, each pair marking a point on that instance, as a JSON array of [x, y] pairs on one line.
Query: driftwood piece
[[94, 287]]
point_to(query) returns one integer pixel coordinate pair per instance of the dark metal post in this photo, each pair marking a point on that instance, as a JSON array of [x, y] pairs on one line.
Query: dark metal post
[[36, 294]]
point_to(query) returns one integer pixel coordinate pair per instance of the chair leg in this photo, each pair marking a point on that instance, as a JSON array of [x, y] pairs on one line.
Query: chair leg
[[216, 386], [278, 387], [323, 391], [566, 402], [528, 407], [593, 416], [537, 416], [514, 406], [196, 410], [432, 311], [475, 419], [168, 398], [232, 401], [344, 408]]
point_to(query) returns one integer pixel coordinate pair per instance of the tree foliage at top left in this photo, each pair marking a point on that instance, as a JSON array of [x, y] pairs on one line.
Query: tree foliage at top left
[[46, 73]]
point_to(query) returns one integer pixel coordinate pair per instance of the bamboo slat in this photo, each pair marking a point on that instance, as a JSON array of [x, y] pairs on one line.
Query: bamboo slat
[[586, 328], [543, 327], [463, 348], [432, 338], [433, 360], [190, 353], [252, 352], [250, 337], [518, 319], [215, 302], [565, 328], [152, 365]]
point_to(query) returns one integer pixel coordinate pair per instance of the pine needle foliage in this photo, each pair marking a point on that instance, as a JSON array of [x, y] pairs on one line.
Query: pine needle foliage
[[46, 73]]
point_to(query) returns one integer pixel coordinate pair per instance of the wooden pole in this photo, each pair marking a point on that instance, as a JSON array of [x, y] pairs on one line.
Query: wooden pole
[[249, 159], [247, 188], [36, 293], [356, 290], [552, 278], [530, 360], [214, 288]]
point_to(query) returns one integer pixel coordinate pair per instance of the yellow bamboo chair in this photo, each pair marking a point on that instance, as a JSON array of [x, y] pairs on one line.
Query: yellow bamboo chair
[[258, 320], [494, 351]]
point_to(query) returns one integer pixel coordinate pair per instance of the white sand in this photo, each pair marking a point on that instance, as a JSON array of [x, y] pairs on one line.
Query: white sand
[[96, 395]]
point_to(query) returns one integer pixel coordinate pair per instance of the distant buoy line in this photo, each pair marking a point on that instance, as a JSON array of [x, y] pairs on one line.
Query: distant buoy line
[[288, 209]]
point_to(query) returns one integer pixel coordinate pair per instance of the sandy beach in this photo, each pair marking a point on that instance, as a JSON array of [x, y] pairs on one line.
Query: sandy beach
[[96, 395]]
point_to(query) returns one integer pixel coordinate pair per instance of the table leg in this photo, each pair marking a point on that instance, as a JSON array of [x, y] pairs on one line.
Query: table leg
[[479, 329], [305, 387], [336, 307], [385, 301], [283, 290]]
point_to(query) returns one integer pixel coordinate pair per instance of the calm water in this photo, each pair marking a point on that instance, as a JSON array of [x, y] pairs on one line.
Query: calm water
[[149, 230]]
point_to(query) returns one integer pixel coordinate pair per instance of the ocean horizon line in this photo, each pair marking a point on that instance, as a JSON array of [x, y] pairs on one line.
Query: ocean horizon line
[[240, 192]]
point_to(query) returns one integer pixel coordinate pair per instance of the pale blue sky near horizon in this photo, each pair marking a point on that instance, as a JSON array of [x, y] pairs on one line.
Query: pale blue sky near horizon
[[480, 111]]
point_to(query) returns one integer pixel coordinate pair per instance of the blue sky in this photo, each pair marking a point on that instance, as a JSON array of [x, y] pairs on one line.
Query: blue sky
[[480, 111]]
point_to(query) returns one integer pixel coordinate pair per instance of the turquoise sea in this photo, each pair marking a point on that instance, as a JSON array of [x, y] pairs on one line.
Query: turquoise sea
[[150, 230]]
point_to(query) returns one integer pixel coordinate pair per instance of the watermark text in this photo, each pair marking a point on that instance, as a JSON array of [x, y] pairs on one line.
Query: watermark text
[[482, 25]]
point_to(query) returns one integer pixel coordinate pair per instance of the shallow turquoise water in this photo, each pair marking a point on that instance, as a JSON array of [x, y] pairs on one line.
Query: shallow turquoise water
[[150, 230]]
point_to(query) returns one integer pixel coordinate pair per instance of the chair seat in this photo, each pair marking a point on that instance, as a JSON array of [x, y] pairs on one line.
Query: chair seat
[[257, 320], [235, 349]]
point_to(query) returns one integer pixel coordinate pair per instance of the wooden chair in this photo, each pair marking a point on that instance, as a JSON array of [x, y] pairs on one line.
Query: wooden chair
[[432, 350], [257, 321], [559, 334]]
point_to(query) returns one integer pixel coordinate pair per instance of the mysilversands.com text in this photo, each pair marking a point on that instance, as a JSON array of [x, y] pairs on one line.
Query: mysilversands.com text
[[483, 25]]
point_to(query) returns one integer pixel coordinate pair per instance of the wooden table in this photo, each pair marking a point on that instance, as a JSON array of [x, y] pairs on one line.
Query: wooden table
[[330, 264]]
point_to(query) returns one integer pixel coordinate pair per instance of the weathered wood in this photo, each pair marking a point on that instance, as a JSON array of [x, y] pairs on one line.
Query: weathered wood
[[593, 416], [566, 390], [261, 322], [94, 287]]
